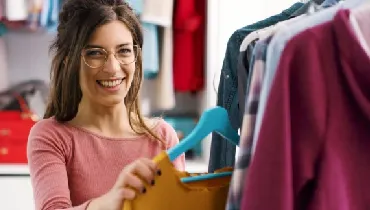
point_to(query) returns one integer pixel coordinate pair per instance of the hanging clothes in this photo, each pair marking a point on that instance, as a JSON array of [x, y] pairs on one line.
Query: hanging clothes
[[312, 149], [4, 80], [244, 62], [359, 33], [160, 13], [16, 10], [222, 152], [49, 15], [3, 29], [44, 16], [34, 14], [329, 3], [2, 9], [253, 90], [165, 97], [150, 51], [54, 13], [277, 46], [251, 107], [189, 45]]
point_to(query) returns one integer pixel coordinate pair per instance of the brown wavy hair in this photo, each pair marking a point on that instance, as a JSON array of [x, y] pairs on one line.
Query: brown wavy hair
[[77, 21]]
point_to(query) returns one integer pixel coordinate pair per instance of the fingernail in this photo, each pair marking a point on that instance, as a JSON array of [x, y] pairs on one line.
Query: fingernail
[[159, 172], [144, 190], [153, 182]]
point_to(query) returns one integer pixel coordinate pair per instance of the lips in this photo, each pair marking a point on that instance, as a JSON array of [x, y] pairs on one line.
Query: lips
[[110, 83]]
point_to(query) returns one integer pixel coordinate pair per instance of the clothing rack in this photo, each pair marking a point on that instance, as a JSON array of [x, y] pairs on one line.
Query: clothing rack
[[259, 88]]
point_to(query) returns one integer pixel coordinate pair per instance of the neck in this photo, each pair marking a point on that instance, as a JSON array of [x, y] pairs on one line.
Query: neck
[[109, 121]]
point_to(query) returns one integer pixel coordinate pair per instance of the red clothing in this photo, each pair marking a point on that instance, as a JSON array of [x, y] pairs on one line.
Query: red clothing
[[69, 166], [189, 45], [313, 149]]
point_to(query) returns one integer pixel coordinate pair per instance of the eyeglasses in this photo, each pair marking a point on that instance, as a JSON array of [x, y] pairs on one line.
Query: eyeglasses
[[97, 57]]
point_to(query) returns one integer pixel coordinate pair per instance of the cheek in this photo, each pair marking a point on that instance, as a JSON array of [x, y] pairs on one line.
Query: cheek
[[131, 72], [86, 80], [83, 83], [132, 69]]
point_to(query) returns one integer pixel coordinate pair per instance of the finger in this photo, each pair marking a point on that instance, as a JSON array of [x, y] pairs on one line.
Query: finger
[[131, 169], [151, 164], [134, 182], [127, 193], [144, 171], [121, 179]]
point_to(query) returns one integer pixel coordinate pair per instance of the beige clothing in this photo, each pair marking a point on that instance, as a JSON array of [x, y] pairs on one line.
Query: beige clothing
[[160, 12], [16, 10], [165, 93], [3, 66]]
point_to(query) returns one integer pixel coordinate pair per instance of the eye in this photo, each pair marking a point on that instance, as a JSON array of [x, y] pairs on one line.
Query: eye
[[94, 53], [125, 51]]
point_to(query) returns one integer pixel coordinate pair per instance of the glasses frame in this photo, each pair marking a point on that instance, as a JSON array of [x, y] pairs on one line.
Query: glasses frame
[[107, 56]]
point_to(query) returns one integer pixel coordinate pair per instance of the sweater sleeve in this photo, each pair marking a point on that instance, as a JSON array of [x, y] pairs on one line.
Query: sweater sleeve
[[292, 130], [48, 153]]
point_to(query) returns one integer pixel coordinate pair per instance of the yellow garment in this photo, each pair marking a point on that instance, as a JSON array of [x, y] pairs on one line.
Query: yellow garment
[[169, 193]]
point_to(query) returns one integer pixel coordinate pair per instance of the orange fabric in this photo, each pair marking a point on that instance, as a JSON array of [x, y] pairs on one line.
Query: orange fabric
[[170, 193]]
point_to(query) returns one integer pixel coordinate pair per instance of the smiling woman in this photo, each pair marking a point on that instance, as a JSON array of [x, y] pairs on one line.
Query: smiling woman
[[111, 28], [93, 149]]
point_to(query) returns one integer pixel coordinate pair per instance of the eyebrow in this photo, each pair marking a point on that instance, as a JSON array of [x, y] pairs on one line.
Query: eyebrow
[[89, 46]]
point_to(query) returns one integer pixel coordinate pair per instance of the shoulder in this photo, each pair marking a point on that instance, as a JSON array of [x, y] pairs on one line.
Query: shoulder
[[163, 129], [51, 134], [160, 126], [48, 127]]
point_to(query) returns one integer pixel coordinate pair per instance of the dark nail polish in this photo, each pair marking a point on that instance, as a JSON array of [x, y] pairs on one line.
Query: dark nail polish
[[152, 182], [144, 190], [159, 172]]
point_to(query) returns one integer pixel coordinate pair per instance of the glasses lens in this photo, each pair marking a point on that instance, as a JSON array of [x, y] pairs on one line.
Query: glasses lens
[[127, 54], [95, 57]]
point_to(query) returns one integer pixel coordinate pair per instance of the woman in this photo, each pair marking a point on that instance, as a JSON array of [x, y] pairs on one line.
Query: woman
[[93, 148]]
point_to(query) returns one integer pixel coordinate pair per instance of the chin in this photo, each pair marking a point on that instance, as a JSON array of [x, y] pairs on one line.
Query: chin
[[111, 100]]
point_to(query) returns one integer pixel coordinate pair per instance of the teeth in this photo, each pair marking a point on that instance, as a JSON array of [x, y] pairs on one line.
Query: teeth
[[110, 83]]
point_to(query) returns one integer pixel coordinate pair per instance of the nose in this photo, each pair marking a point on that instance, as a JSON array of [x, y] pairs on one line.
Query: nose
[[112, 65]]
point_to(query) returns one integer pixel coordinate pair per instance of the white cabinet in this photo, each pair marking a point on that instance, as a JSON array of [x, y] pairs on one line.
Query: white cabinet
[[15, 188]]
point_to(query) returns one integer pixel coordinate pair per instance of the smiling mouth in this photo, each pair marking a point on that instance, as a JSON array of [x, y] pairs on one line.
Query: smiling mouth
[[110, 83]]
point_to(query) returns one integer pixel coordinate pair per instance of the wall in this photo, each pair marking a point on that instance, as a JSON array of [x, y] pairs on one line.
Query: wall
[[28, 56]]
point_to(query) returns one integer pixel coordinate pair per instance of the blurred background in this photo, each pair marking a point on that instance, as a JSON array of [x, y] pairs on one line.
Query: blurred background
[[185, 44]]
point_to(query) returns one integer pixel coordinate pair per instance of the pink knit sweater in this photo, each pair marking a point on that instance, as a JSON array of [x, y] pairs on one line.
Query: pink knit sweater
[[69, 166]]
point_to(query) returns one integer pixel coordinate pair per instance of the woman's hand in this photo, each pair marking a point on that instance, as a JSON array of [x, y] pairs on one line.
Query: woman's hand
[[128, 184]]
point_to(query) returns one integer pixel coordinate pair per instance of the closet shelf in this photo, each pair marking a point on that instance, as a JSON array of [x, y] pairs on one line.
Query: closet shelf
[[14, 169]]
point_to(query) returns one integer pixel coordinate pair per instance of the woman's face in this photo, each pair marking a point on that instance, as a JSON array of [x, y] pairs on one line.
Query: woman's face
[[108, 64]]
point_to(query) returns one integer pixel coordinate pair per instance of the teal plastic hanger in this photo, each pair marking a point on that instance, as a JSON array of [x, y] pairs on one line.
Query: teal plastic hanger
[[212, 120], [205, 177]]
